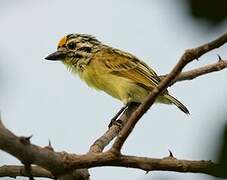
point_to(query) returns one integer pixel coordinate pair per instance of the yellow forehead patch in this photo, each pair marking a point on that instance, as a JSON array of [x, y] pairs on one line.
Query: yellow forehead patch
[[62, 41]]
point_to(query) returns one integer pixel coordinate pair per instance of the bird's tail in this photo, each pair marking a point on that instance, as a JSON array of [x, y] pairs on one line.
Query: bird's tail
[[177, 103]]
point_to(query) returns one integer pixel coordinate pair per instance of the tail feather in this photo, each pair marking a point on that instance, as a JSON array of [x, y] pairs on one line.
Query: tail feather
[[177, 103]]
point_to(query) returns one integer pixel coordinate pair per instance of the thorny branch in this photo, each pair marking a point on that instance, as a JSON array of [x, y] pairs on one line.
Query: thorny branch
[[37, 171], [14, 171], [186, 58], [192, 74], [57, 164], [61, 163]]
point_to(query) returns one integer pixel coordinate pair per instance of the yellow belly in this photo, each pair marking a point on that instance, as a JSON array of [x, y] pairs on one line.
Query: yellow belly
[[118, 87]]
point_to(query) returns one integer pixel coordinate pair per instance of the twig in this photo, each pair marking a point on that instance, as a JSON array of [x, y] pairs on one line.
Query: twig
[[32, 154], [112, 132], [187, 57], [189, 75], [15, 171]]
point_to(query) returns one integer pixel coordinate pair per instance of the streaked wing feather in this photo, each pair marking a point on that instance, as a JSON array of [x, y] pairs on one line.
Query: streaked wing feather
[[128, 66]]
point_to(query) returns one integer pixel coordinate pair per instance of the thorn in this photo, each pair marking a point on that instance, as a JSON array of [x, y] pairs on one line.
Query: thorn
[[25, 140], [170, 153], [49, 147], [219, 57], [29, 137], [170, 157], [49, 143], [1, 124]]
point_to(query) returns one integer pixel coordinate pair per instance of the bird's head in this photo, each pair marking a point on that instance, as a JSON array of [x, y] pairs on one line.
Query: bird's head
[[74, 47]]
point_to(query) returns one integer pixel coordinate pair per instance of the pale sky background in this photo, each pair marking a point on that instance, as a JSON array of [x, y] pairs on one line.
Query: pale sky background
[[42, 98]]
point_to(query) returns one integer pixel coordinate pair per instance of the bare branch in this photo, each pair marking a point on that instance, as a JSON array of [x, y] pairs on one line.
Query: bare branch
[[32, 154], [189, 75], [112, 132], [186, 58], [63, 163], [15, 171]]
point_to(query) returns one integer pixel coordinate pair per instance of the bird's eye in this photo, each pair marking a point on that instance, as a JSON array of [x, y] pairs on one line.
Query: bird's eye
[[71, 45]]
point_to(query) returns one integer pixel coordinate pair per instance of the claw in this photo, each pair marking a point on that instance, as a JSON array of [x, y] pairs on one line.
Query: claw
[[114, 119], [116, 122]]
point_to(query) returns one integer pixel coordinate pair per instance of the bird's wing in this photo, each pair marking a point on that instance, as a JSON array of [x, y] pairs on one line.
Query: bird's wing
[[126, 65]]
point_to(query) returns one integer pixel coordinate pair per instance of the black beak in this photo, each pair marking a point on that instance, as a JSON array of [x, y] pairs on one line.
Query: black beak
[[56, 56]]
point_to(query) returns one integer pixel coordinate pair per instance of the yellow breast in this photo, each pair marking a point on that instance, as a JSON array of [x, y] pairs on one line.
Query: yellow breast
[[118, 87]]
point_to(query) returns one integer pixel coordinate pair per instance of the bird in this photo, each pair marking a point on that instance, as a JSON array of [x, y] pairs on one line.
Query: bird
[[118, 73]]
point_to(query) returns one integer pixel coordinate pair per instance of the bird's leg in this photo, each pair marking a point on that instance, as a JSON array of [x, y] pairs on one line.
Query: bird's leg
[[114, 119]]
